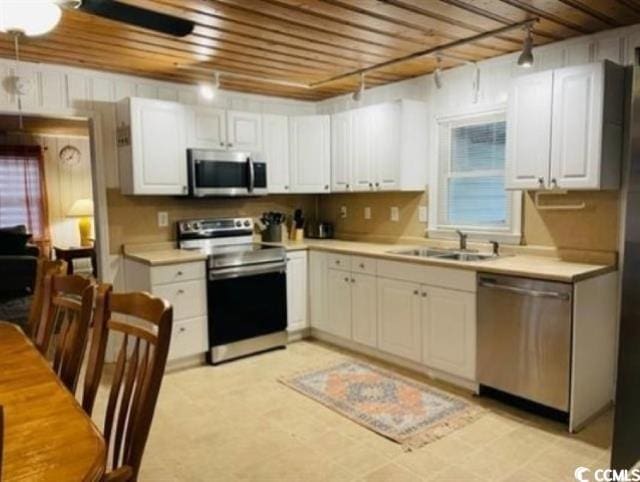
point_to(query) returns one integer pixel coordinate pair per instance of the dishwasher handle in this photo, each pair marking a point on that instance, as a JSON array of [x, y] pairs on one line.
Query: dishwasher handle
[[525, 291]]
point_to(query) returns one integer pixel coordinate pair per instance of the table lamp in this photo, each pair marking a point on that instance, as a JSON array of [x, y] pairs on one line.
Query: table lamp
[[83, 209]]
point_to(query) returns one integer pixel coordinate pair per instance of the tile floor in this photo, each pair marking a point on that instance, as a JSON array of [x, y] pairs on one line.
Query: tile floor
[[236, 422]]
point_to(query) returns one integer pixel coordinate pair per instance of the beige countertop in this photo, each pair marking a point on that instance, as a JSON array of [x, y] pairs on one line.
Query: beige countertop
[[543, 267]]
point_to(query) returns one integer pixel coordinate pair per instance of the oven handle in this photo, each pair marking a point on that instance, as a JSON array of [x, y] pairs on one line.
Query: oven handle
[[244, 271], [252, 174]]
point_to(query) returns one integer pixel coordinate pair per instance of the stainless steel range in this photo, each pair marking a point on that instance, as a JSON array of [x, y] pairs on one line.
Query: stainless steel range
[[246, 288]]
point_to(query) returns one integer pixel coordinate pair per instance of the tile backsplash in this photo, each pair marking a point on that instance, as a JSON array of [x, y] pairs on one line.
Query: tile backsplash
[[133, 219]]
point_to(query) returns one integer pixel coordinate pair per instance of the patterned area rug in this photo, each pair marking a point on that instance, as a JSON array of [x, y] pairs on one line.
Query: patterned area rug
[[403, 410]]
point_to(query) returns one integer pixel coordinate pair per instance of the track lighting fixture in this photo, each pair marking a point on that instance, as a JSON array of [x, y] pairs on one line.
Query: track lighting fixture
[[437, 74], [208, 91], [526, 57], [357, 95]]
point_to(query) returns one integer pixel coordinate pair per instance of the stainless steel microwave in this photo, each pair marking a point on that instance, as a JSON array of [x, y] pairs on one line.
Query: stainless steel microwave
[[222, 173]]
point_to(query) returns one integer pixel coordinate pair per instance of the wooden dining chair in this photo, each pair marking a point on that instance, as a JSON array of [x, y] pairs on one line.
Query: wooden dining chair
[[46, 267], [67, 311], [144, 324]]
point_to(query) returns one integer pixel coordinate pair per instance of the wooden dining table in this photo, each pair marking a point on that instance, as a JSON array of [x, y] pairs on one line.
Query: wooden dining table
[[47, 436]]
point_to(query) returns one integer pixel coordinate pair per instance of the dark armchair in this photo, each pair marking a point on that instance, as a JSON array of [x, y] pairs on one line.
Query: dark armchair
[[18, 262]]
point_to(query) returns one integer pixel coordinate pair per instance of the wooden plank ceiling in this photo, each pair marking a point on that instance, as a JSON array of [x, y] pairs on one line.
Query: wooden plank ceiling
[[308, 41]]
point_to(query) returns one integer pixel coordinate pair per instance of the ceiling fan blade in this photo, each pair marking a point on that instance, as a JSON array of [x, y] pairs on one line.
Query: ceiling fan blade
[[140, 17]]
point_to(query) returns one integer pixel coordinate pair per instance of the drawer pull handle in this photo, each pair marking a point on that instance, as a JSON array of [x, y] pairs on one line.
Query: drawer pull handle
[[415, 292], [337, 261], [362, 265], [353, 280], [179, 273], [424, 294], [182, 329], [180, 292]]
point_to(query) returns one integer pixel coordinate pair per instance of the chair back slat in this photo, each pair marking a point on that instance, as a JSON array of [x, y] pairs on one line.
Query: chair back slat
[[67, 312], [144, 323], [45, 267]]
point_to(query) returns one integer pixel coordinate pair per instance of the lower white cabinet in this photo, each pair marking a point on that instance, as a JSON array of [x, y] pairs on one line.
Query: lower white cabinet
[[297, 318], [338, 320], [399, 318], [364, 312], [426, 314], [449, 331], [184, 285]]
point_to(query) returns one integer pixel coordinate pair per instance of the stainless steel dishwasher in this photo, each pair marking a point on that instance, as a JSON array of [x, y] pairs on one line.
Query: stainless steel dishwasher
[[524, 338]]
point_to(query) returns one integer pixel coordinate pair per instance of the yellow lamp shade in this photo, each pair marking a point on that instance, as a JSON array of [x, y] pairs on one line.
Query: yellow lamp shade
[[83, 209]]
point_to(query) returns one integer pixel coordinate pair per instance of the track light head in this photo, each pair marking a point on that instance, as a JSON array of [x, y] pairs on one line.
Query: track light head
[[437, 74], [359, 93], [526, 57]]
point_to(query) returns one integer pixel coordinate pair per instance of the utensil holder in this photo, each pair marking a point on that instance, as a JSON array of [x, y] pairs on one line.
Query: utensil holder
[[273, 234]]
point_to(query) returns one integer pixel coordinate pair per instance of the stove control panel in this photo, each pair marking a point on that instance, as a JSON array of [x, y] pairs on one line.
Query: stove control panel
[[210, 228]]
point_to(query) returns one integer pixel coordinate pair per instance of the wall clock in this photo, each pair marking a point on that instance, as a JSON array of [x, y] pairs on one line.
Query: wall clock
[[69, 156]]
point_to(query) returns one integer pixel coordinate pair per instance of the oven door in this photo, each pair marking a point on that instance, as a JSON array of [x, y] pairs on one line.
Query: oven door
[[221, 173], [246, 302]]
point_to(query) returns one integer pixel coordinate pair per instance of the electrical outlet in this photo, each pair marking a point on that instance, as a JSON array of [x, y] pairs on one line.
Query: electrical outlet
[[395, 214], [163, 219], [367, 212], [343, 212], [422, 214]]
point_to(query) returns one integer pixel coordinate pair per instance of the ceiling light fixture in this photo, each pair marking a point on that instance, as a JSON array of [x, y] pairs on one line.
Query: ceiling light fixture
[[437, 74], [209, 91], [30, 18], [526, 57], [357, 95]]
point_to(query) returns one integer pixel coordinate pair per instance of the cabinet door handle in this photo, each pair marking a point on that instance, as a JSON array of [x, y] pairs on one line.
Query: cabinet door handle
[[179, 273], [326, 186], [346, 279], [229, 144], [416, 292], [182, 329], [347, 186], [377, 184], [337, 261], [286, 187], [541, 181], [221, 144], [554, 183], [353, 280], [180, 292], [424, 294], [362, 265]]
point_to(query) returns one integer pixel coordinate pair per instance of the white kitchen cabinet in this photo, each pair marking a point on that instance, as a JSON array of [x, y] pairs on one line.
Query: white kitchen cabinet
[[275, 150], [309, 153], [297, 291], [364, 312], [383, 147], [528, 140], [449, 331], [184, 285], [318, 300], [341, 152], [363, 170], [151, 147], [206, 128], [244, 131], [338, 321], [565, 129], [399, 319]]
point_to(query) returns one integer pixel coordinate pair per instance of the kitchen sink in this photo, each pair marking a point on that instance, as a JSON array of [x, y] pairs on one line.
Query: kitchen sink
[[444, 254]]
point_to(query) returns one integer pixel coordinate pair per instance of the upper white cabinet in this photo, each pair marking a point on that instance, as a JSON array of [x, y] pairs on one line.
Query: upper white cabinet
[[380, 148], [244, 131], [309, 153], [211, 128], [341, 152], [275, 150], [206, 128], [565, 128], [151, 147]]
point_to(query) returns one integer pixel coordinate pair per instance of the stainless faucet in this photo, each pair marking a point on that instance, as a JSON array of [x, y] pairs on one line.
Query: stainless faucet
[[463, 240]]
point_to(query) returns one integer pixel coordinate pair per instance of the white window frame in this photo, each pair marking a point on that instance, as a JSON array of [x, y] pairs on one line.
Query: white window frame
[[509, 234]]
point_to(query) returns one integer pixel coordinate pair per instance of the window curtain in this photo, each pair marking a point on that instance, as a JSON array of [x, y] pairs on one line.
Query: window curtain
[[23, 195]]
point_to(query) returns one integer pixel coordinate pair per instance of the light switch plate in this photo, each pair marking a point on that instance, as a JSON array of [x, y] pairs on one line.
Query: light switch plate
[[422, 214], [367, 212], [163, 219], [395, 214], [343, 212]]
